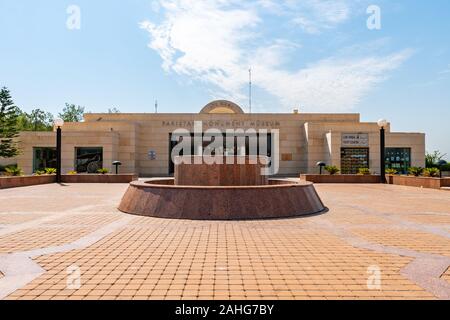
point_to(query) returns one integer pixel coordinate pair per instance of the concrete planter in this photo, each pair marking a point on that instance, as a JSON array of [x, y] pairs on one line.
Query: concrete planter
[[24, 181], [421, 182], [99, 178], [410, 181], [14, 182], [445, 183], [340, 178]]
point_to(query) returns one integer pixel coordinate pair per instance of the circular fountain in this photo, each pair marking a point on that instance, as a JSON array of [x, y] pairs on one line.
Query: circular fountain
[[232, 190]]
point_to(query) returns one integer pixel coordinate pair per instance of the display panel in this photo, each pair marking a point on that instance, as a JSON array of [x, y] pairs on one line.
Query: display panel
[[352, 159], [88, 160]]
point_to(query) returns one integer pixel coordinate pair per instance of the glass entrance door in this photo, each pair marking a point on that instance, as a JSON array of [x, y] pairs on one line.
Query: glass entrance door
[[44, 158], [398, 159]]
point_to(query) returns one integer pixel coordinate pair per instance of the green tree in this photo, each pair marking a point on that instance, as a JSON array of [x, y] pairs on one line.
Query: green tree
[[8, 125], [432, 159], [23, 121], [113, 110], [72, 113], [41, 120], [37, 120]]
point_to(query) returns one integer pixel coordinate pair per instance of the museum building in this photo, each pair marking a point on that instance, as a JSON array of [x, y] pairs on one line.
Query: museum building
[[142, 142]]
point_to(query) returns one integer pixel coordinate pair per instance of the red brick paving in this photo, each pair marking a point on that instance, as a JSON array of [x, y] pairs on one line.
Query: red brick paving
[[328, 256]]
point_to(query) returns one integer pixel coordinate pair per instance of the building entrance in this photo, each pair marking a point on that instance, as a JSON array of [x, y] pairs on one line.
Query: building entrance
[[224, 150]]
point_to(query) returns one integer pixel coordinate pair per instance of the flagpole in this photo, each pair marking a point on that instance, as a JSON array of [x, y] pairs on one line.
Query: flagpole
[[250, 89]]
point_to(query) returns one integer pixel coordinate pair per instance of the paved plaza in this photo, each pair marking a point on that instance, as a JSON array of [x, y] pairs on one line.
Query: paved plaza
[[374, 242]]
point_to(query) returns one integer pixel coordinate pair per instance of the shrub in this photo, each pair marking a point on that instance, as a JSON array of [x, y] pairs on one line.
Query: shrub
[[391, 171], [50, 170], [364, 171], [3, 168], [72, 172], [332, 170], [103, 171], [415, 171], [431, 172], [40, 172], [14, 171]]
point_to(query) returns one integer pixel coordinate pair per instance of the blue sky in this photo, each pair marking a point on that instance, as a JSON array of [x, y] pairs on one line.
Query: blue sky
[[318, 56]]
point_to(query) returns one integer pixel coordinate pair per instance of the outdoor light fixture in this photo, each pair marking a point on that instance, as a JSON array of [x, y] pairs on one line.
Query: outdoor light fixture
[[58, 123], [441, 164], [117, 164], [321, 164], [382, 123]]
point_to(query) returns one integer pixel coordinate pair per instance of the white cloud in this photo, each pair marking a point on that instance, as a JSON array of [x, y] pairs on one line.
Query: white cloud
[[216, 41], [203, 39], [330, 85], [315, 15]]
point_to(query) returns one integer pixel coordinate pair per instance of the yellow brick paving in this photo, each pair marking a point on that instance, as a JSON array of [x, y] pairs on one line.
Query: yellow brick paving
[[446, 275], [228, 262], [431, 219], [40, 238], [418, 241], [12, 218], [301, 258], [85, 220], [355, 217]]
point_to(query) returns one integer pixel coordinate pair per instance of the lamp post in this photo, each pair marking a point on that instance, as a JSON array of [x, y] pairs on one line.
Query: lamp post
[[382, 123], [58, 124]]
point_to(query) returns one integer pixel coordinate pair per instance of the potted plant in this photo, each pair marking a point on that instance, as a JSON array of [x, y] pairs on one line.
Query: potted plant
[[431, 172], [3, 168], [391, 171], [332, 170], [14, 171], [364, 171], [50, 171], [415, 171], [103, 171]]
